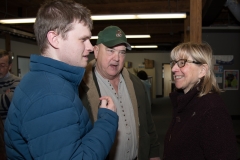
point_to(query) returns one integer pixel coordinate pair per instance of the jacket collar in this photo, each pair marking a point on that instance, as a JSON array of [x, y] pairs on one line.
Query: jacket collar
[[180, 100], [71, 73]]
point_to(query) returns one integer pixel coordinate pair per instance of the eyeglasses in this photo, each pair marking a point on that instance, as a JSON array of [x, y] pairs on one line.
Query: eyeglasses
[[110, 51], [181, 62], [3, 65]]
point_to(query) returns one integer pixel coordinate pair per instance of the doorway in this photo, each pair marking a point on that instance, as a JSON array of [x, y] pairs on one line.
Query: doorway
[[22, 65], [166, 79]]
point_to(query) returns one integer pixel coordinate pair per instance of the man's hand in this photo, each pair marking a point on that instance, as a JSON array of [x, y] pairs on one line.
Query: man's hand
[[107, 102]]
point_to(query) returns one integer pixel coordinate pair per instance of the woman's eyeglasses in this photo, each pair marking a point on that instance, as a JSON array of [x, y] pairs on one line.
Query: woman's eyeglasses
[[181, 62]]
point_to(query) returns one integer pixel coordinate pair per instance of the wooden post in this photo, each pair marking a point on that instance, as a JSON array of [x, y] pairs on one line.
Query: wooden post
[[7, 42], [196, 21], [186, 29]]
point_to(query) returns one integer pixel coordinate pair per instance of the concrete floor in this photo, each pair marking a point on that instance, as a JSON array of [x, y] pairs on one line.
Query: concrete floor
[[162, 113]]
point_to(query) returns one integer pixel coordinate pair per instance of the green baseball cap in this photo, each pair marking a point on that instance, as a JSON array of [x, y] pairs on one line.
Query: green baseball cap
[[112, 36]]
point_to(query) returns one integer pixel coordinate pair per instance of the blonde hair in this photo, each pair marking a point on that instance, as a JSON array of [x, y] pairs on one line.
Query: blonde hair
[[200, 52]]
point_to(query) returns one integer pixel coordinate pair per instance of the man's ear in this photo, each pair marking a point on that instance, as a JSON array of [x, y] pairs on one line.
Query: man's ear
[[53, 39], [203, 70], [10, 67], [96, 51]]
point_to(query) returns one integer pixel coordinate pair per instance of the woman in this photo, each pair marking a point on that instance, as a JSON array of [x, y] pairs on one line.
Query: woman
[[201, 127]]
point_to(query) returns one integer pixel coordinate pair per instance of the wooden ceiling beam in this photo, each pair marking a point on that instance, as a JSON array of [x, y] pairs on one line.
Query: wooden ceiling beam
[[163, 38], [139, 7], [128, 28], [157, 29], [161, 31], [195, 21], [110, 8]]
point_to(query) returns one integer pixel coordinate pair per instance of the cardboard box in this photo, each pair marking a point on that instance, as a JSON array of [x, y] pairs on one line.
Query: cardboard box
[[149, 63]]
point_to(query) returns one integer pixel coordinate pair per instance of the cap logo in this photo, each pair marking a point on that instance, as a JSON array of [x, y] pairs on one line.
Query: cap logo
[[119, 33]]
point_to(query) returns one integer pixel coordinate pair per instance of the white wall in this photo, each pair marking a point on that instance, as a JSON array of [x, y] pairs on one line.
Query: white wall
[[159, 59], [20, 49], [25, 49]]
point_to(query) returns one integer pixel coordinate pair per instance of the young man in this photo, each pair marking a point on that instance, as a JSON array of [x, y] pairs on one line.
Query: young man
[[46, 119], [136, 137], [8, 83]]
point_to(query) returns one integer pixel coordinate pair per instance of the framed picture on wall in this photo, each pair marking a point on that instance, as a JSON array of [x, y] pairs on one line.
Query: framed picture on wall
[[231, 80]]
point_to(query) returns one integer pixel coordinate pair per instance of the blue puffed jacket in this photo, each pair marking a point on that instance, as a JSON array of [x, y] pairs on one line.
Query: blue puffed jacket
[[46, 119]]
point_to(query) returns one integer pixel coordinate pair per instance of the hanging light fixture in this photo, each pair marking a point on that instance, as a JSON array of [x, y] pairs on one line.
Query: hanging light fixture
[[108, 17]]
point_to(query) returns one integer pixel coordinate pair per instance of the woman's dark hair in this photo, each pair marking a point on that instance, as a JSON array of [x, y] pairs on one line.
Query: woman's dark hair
[[142, 75]]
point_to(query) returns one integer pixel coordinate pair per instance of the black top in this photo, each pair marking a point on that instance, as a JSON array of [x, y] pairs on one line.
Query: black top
[[201, 128]]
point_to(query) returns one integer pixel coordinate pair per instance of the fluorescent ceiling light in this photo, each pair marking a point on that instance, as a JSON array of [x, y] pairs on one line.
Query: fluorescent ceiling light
[[129, 36], [146, 46], [113, 17], [94, 37], [15, 21], [140, 16], [108, 17], [162, 16], [138, 36]]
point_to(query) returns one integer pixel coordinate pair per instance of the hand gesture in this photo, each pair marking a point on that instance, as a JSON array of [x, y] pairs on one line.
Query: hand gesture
[[107, 102]]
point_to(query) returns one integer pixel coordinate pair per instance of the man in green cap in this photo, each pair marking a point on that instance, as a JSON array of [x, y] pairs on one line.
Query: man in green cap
[[106, 76]]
